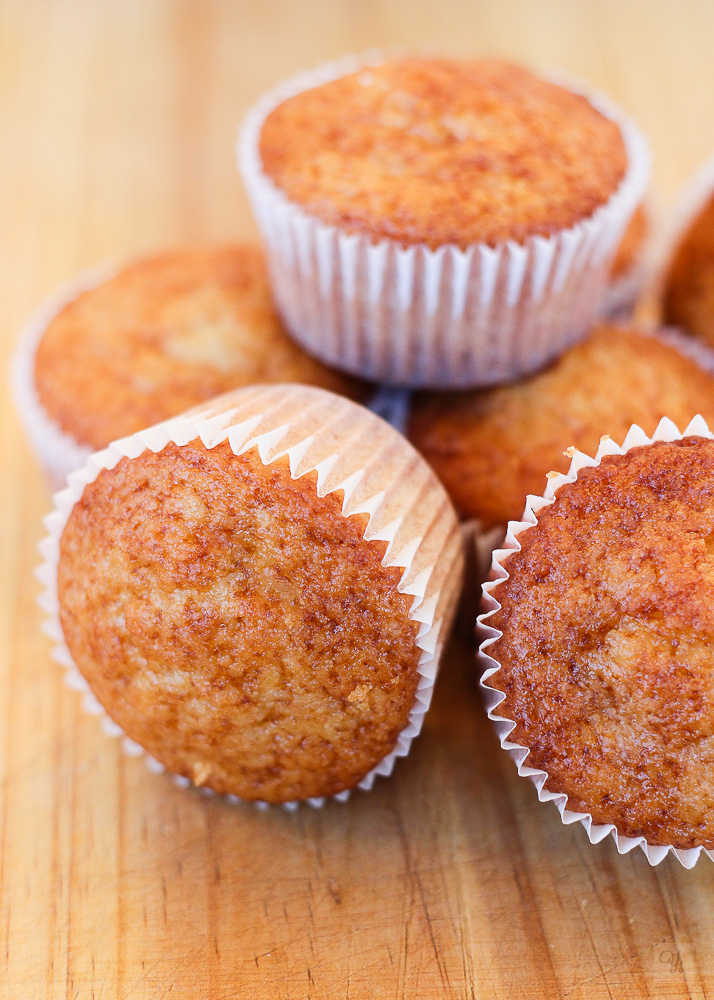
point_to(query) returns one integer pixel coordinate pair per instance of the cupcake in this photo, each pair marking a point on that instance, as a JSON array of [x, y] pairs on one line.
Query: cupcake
[[159, 336], [438, 223], [600, 632], [688, 284], [492, 447], [257, 593], [627, 271]]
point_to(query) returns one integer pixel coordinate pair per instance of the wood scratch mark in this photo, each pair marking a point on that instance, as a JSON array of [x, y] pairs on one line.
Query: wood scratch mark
[[334, 889], [443, 972], [670, 912], [415, 880]]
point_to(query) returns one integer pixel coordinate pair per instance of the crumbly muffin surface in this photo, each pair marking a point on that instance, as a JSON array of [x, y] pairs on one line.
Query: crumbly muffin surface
[[165, 334], [689, 286], [235, 624], [608, 646], [439, 151], [492, 448]]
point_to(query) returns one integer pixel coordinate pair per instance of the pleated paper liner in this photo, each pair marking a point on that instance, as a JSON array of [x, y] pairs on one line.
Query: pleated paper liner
[[623, 293], [394, 405], [352, 451], [444, 318], [636, 437]]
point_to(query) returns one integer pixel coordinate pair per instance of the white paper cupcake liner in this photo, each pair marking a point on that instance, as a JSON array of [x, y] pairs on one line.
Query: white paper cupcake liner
[[394, 405], [478, 552], [445, 318], [351, 450], [57, 452], [622, 294], [666, 431]]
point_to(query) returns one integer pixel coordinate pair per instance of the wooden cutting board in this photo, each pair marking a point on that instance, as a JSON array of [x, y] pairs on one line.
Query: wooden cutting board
[[449, 880]]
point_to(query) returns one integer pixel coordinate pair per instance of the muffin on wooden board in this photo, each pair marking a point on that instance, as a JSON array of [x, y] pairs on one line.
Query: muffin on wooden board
[[492, 447], [162, 334], [599, 637], [438, 223], [257, 593]]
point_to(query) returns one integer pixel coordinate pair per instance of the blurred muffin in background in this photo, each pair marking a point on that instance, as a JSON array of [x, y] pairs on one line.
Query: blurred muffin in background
[[162, 335]]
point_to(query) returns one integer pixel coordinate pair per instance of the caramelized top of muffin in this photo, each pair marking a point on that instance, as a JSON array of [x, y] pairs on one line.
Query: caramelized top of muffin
[[491, 448], [438, 151], [608, 642], [236, 624], [631, 244], [689, 286], [164, 334]]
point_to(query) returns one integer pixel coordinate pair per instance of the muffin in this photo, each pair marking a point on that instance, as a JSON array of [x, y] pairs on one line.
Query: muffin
[[257, 593], [438, 223], [627, 271], [688, 289], [492, 447], [159, 336], [601, 632]]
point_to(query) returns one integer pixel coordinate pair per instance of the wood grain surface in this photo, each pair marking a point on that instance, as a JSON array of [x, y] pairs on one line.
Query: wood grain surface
[[117, 121]]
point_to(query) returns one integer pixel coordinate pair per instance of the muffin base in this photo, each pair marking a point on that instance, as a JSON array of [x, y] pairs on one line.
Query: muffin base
[[379, 474], [655, 854]]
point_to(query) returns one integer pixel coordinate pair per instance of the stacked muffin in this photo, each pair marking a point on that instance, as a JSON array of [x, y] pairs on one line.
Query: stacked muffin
[[258, 590], [439, 224]]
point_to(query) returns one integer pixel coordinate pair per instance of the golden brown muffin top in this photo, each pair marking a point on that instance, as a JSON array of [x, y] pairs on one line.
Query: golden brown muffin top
[[491, 448], [237, 625], [440, 151], [165, 334], [608, 646], [689, 286], [631, 244]]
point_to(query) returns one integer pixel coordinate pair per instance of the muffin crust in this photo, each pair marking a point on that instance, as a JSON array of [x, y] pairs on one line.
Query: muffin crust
[[443, 152], [165, 334], [608, 646], [491, 448], [689, 287], [235, 624]]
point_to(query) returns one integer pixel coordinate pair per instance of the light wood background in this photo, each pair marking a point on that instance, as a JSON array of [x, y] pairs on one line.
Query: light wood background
[[117, 121]]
